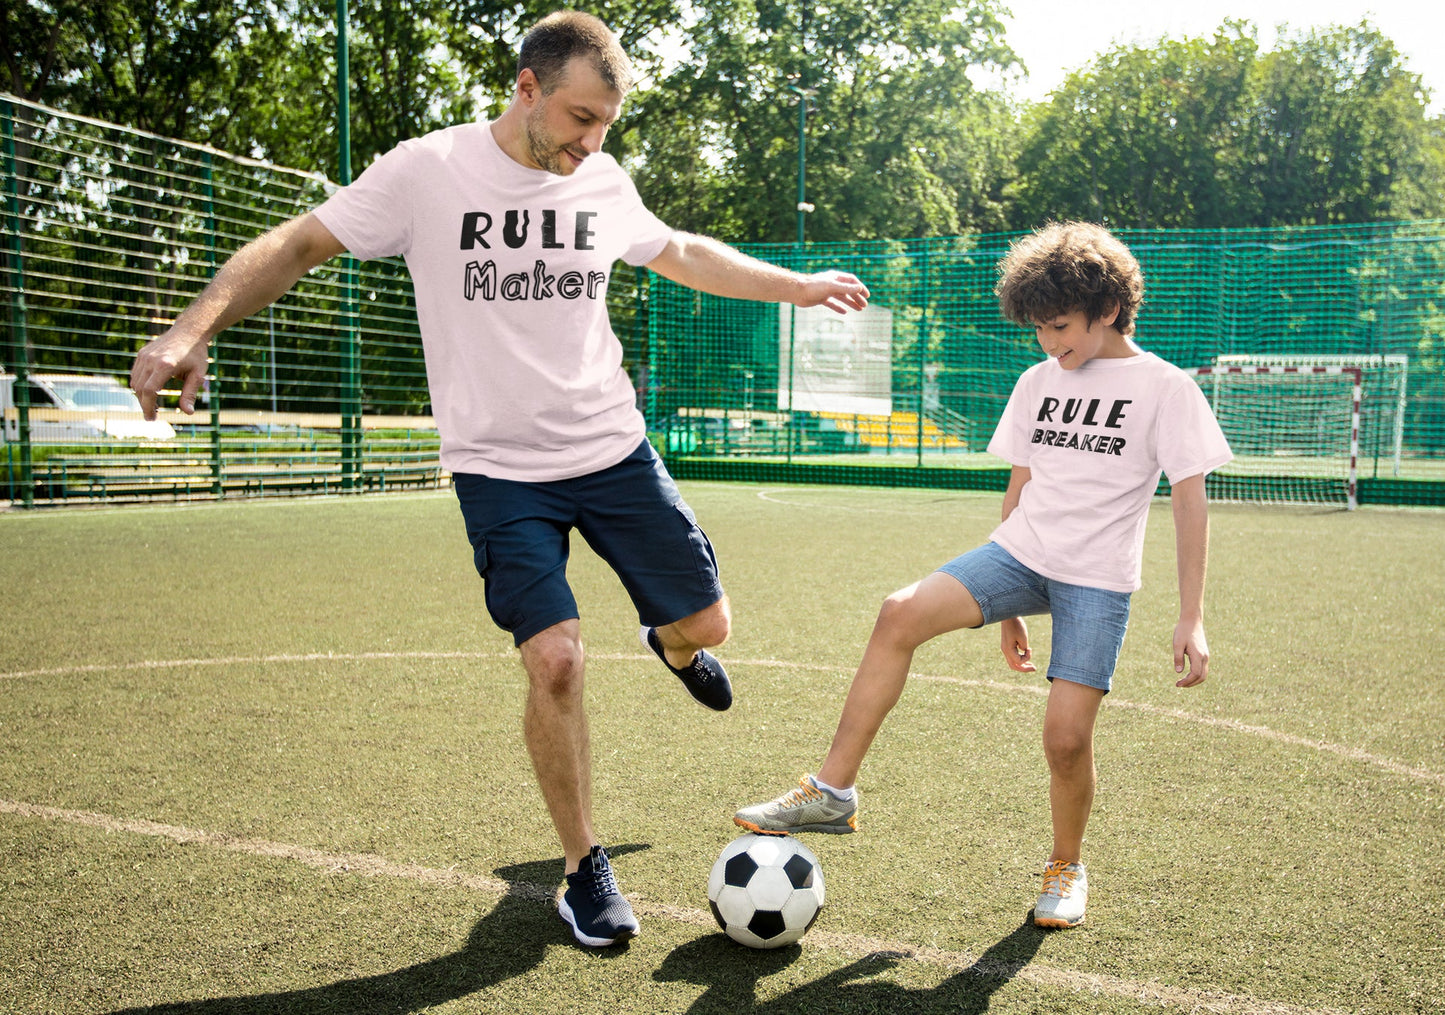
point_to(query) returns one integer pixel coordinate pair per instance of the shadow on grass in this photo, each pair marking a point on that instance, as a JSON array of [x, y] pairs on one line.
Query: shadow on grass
[[731, 974], [509, 941]]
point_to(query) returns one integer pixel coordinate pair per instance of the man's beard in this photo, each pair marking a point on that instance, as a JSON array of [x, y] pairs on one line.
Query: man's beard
[[546, 153]]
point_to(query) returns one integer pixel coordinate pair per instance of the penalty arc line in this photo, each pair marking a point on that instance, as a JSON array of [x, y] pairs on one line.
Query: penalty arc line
[[371, 865], [1179, 715], [1233, 725]]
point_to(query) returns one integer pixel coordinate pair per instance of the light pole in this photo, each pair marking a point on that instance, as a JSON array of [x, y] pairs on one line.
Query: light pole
[[351, 466], [803, 95]]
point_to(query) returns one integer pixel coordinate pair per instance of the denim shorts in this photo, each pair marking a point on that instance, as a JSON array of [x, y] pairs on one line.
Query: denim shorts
[[632, 516], [1088, 623]]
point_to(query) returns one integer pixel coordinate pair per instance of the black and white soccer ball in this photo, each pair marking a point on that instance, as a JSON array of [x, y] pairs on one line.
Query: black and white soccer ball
[[765, 890]]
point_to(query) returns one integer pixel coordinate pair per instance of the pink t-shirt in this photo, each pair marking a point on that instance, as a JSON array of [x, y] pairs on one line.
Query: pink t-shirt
[[510, 266], [1096, 441]]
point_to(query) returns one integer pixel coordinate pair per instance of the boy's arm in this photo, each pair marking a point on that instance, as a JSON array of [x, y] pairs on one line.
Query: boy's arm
[[1191, 546], [1019, 475], [1013, 632], [255, 276], [700, 262]]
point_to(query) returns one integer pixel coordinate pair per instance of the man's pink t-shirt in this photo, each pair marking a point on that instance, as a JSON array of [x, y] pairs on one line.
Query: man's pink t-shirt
[[1096, 441], [510, 266]]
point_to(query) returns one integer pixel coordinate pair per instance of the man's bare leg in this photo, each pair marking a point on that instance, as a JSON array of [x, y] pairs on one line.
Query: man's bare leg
[[555, 726]]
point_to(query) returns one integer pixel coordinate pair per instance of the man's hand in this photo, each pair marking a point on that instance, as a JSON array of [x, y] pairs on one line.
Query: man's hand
[[836, 290], [174, 354]]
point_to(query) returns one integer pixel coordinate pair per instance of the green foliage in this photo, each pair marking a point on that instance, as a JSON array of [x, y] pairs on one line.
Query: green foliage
[[716, 142], [1338, 122], [169, 67], [1138, 138], [900, 142], [1207, 133], [258, 77]]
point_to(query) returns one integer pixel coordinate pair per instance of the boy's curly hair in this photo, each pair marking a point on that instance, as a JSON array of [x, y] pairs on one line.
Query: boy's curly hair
[[1069, 266]]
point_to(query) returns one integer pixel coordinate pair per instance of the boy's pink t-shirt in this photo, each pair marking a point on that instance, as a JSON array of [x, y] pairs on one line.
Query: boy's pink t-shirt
[[1096, 441], [510, 267]]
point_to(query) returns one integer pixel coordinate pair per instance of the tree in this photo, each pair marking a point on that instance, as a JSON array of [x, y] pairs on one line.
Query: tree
[[162, 66], [1142, 137], [416, 66], [258, 77], [1339, 134], [1208, 133], [714, 146], [44, 42]]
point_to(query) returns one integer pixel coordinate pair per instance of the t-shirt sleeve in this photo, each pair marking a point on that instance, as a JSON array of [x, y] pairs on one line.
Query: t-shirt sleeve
[[649, 234], [372, 216], [1189, 439], [1010, 439]]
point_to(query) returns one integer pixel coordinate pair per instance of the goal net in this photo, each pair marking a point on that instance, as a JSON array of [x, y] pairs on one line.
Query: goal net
[[1385, 379], [1294, 430]]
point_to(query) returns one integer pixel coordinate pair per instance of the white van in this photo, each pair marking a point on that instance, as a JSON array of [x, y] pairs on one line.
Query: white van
[[78, 409]]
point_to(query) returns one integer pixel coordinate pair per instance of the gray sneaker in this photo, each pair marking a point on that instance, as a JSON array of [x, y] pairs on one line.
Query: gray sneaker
[[805, 809], [1066, 893]]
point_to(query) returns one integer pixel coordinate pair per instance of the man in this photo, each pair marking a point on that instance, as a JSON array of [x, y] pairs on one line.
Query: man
[[510, 229]]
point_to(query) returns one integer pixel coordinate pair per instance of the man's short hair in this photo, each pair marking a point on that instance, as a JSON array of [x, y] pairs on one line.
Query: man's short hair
[[1069, 266], [554, 41]]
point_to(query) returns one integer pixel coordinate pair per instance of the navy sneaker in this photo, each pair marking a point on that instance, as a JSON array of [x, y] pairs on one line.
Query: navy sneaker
[[592, 905], [704, 678]]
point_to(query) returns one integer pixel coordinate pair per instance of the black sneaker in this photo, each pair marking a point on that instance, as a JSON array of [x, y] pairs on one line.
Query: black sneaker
[[704, 678], [593, 906]]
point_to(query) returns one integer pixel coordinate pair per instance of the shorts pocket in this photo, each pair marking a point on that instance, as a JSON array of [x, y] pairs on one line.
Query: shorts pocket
[[702, 552]]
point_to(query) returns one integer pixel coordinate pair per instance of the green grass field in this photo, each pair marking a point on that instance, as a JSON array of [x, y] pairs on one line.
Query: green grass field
[[266, 757]]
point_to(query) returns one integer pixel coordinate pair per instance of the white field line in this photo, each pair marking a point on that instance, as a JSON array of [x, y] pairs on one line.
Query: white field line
[[930, 496], [1179, 715], [306, 657], [371, 865], [1233, 725]]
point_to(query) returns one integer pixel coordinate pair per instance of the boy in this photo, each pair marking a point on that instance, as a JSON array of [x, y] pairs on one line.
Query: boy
[[1088, 432]]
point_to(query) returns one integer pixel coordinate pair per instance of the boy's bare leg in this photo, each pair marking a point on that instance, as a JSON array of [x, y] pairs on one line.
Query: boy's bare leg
[[555, 726], [908, 618], [1069, 748]]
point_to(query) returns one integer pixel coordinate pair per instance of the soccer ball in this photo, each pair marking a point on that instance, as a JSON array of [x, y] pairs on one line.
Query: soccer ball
[[765, 890]]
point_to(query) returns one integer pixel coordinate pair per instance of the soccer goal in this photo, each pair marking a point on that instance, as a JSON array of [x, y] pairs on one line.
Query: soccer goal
[[1385, 379], [1294, 431]]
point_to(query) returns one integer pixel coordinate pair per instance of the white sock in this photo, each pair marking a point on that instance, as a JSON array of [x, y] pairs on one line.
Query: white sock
[[833, 791]]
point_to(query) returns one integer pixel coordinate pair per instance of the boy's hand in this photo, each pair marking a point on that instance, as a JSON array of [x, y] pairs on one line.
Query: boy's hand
[[1015, 644], [1189, 642]]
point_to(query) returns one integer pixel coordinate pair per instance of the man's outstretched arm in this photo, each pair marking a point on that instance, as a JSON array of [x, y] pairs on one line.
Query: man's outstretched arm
[[700, 262], [257, 275]]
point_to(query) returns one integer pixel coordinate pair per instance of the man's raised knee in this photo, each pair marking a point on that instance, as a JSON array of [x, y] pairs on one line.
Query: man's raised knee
[[707, 628]]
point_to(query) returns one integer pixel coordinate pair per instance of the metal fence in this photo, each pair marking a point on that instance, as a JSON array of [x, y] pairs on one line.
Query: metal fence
[[109, 233], [914, 399]]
